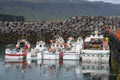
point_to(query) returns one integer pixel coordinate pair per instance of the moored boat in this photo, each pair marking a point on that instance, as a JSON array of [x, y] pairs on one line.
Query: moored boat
[[56, 47], [48, 53], [73, 49], [95, 49], [17, 53], [36, 53]]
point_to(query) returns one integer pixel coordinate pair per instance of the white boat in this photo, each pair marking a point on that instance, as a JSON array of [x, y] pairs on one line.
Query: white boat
[[36, 53], [43, 52], [73, 49], [95, 49], [56, 47], [17, 53]]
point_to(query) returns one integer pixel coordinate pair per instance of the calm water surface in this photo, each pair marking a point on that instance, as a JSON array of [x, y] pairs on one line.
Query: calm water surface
[[51, 70]]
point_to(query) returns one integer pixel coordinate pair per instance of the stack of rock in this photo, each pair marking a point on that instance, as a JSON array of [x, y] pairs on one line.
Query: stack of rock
[[74, 26]]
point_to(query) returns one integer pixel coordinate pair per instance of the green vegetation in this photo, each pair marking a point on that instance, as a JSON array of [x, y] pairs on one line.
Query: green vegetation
[[51, 11], [5, 17]]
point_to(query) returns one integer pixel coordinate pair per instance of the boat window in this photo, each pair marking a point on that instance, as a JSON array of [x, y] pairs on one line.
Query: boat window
[[105, 56], [40, 45], [53, 45], [57, 45], [107, 68], [95, 55], [102, 67], [83, 67], [102, 55], [93, 67], [88, 67], [61, 46], [11, 46]]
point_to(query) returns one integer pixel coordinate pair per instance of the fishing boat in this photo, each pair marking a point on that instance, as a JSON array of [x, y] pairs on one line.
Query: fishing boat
[[95, 49], [43, 52], [36, 53], [17, 53], [73, 49], [55, 48]]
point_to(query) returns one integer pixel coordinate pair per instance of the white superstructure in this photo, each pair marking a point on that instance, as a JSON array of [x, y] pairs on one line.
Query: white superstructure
[[95, 49]]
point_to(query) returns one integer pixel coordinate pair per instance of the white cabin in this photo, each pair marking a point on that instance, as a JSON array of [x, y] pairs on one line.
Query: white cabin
[[40, 46], [36, 53], [73, 49], [55, 48], [95, 49]]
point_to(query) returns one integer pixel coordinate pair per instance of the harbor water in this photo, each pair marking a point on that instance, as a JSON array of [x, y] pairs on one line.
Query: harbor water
[[52, 70]]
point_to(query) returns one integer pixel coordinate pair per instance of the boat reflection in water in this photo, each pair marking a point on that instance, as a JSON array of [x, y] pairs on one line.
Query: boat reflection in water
[[55, 70]]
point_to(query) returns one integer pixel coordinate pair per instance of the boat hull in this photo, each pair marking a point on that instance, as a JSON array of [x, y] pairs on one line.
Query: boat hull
[[14, 58], [95, 51], [50, 56], [70, 57], [37, 56], [17, 56], [95, 56], [43, 55]]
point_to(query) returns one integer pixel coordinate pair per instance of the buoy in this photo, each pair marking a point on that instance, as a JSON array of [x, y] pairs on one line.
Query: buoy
[[23, 40], [85, 46], [106, 39], [17, 46], [26, 46], [65, 45], [50, 50], [51, 41], [61, 57]]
